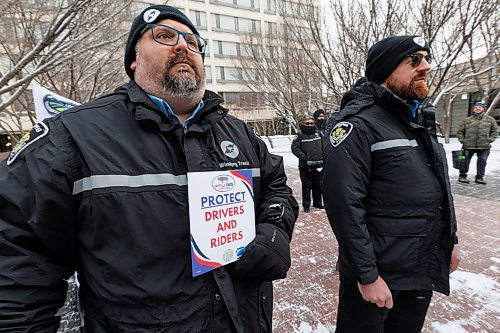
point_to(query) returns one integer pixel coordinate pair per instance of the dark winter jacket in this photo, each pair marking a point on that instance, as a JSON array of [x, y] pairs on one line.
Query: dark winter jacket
[[321, 126], [387, 193], [102, 189], [477, 133], [308, 147]]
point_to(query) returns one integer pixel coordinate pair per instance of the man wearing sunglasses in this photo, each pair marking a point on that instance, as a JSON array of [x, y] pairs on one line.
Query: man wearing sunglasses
[[102, 189], [387, 194]]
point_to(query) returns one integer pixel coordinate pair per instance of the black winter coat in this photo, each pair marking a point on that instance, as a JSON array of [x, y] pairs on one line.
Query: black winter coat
[[102, 189], [387, 193], [308, 147]]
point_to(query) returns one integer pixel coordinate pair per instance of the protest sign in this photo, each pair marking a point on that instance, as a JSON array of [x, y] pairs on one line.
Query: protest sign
[[221, 215]]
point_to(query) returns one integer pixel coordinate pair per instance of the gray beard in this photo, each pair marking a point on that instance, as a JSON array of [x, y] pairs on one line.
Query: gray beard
[[183, 87]]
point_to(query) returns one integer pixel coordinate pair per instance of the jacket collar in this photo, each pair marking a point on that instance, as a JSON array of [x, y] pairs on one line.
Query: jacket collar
[[370, 93], [146, 110]]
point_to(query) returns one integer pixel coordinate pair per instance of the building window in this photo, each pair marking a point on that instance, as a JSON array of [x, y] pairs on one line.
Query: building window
[[248, 3], [253, 4], [232, 23], [289, 8], [271, 28], [199, 18], [224, 22], [270, 5], [228, 73], [226, 48], [208, 74], [247, 25], [243, 99]]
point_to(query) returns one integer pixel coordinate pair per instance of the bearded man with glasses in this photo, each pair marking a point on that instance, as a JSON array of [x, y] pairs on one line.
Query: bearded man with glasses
[[102, 189], [387, 194]]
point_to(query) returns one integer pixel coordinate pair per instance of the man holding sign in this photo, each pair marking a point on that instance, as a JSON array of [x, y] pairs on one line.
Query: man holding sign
[[174, 214]]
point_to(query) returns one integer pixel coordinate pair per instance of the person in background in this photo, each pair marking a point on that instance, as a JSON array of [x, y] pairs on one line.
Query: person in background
[[308, 147], [387, 194], [102, 189], [320, 119], [476, 134]]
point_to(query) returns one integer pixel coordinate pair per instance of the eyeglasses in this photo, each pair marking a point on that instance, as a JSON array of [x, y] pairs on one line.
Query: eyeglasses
[[166, 35], [416, 58]]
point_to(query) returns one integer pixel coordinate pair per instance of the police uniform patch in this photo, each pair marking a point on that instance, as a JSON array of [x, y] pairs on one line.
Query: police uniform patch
[[36, 133], [340, 132]]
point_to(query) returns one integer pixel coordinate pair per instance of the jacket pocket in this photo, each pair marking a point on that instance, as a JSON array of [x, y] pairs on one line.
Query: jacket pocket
[[397, 242]]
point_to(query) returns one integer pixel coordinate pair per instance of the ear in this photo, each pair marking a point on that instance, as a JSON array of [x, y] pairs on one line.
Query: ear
[[133, 65]]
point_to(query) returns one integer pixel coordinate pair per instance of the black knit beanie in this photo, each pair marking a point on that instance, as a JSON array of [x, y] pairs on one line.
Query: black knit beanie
[[152, 14], [385, 55]]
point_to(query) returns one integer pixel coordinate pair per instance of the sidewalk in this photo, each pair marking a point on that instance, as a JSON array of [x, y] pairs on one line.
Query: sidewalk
[[307, 300]]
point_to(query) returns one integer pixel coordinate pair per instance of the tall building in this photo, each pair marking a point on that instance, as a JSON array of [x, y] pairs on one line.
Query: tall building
[[224, 23]]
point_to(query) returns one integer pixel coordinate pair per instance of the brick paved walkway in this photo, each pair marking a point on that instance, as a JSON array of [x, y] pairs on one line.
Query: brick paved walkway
[[307, 300]]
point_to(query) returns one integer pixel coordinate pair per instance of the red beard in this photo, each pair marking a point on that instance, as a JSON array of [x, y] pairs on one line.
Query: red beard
[[420, 88]]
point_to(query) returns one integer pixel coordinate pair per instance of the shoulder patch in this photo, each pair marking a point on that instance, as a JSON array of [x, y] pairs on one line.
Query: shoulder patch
[[37, 132], [340, 132]]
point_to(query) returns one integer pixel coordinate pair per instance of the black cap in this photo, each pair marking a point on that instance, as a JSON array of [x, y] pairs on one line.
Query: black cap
[[385, 55], [152, 14]]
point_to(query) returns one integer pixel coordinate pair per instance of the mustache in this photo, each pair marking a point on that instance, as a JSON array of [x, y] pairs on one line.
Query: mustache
[[178, 58], [423, 76]]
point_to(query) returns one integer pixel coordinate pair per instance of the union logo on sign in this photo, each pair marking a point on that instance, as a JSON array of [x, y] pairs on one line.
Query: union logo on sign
[[223, 183]]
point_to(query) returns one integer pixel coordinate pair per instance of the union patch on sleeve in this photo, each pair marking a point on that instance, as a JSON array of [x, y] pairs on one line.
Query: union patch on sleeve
[[36, 133], [340, 132]]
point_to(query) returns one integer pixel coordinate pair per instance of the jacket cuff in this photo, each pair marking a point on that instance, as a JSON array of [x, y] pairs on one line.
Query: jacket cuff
[[454, 239], [369, 277]]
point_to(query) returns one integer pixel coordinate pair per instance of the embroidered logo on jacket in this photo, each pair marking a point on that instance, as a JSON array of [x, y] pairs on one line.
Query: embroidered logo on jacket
[[340, 132], [37, 132], [229, 149]]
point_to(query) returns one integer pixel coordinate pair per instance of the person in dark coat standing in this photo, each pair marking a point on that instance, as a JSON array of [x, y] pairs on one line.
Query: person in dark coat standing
[[308, 147], [103, 189], [476, 134], [387, 194]]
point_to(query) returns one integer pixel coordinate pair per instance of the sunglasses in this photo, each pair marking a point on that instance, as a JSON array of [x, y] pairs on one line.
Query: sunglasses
[[416, 58]]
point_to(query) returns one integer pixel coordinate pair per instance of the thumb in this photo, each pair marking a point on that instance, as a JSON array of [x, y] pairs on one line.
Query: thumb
[[389, 303]]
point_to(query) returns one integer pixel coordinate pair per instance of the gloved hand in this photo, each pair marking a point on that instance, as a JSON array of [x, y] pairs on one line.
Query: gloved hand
[[266, 258]]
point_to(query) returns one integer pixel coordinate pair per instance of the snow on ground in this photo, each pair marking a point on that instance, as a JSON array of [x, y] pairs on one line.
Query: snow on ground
[[281, 144], [483, 290]]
